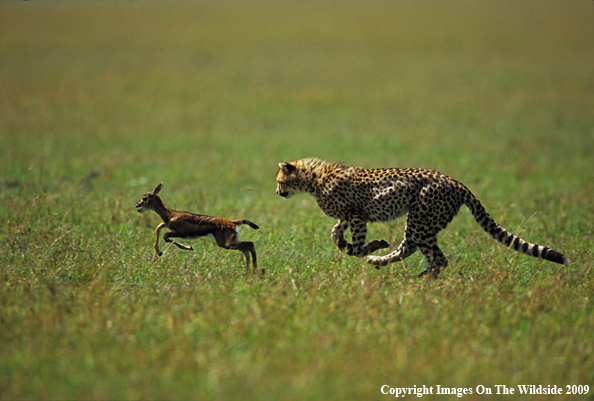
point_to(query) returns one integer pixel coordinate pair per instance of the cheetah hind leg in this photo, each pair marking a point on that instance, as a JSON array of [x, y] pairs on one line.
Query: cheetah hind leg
[[436, 260]]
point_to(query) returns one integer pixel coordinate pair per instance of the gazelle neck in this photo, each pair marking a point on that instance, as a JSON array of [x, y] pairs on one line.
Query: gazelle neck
[[162, 210]]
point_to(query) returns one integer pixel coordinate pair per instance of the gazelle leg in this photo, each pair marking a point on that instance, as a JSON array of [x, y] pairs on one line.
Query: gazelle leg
[[246, 253], [167, 237], [182, 246], [248, 247], [230, 240], [157, 231]]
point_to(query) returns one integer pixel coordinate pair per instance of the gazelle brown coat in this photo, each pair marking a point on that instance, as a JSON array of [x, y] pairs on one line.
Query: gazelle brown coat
[[188, 225]]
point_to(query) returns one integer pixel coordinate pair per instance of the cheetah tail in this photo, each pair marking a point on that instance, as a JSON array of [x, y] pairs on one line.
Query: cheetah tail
[[244, 221], [508, 239]]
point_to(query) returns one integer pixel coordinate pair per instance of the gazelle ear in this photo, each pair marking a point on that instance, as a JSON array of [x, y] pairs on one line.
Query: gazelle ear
[[287, 167], [156, 191]]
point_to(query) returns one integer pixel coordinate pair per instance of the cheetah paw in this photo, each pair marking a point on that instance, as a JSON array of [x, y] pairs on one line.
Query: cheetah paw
[[383, 244]]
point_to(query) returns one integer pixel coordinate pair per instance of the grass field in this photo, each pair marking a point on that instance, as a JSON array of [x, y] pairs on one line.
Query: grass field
[[102, 100]]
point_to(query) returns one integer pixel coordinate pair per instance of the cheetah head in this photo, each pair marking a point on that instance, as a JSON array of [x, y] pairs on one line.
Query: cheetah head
[[287, 179]]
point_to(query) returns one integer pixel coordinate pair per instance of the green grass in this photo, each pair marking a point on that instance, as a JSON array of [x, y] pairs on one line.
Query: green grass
[[101, 101]]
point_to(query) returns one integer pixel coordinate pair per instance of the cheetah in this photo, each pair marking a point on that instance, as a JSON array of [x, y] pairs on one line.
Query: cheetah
[[357, 196]]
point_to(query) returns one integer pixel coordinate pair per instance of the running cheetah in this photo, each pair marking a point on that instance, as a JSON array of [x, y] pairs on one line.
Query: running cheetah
[[357, 196]]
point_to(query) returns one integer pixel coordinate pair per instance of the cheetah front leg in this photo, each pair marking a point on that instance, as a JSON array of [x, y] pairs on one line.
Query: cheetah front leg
[[338, 234], [404, 250], [358, 236]]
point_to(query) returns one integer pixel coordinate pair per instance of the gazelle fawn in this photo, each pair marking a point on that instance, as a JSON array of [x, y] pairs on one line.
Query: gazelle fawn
[[187, 225]]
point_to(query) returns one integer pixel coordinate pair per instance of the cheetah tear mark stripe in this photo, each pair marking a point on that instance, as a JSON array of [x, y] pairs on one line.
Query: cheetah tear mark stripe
[[509, 239]]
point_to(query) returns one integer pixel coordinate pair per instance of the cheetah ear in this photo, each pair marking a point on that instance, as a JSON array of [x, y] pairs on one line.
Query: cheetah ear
[[287, 168]]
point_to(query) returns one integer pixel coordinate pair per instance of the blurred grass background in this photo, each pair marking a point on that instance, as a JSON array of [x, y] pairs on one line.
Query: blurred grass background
[[103, 100]]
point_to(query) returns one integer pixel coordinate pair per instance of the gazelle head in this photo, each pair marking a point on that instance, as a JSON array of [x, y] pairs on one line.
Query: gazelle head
[[146, 202]]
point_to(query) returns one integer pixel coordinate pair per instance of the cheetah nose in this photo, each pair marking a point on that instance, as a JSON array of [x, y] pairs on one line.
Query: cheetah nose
[[284, 194]]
